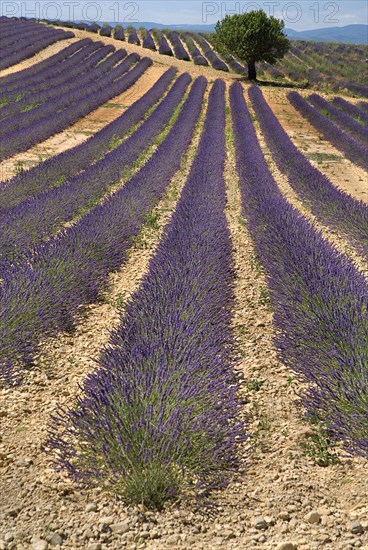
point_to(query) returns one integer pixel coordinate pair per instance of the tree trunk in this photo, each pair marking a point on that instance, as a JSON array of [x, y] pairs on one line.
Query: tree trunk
[[252, 75]]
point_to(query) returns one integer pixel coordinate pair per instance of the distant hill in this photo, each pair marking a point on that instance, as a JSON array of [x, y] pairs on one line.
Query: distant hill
[[350, 34]]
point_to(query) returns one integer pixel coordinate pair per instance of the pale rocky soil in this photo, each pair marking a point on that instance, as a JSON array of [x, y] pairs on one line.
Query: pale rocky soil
[[281, 499]]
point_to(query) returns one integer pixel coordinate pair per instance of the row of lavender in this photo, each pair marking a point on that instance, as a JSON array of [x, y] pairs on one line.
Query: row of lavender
[[208, 52], [56, 93], [165, 42], [44, 294], [128, 34], [355, 111], [197, 57], [346, 122], [354, 146], [328, 203], [208, 55], [147, 39], [295, 62], [162, 408], [320, 300], [16, 89], [23, 39], [37, 124], [35, 220], [334, 67], [56, 170], [10, 82]]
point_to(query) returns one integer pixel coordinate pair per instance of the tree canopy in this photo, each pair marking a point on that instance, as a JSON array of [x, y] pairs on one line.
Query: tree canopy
[[252, 37]]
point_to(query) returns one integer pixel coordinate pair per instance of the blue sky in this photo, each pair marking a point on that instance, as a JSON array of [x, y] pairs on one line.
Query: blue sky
[[299, 15]]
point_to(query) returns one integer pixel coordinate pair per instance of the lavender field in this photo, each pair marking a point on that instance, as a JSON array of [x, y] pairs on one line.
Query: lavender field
[[183, 293]]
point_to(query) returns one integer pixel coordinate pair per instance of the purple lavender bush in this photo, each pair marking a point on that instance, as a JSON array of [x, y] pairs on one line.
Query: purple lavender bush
[[345, 121], [56, 170], [37, 41], [28, 81], [119, 33], [350, 109], [208, 52], [48, 291], [320, 300], [133, 36], [163, 45], [350, 147], [31, 222], [22, 36], [106, 30], [80, 72], [357, 89], [94, 27], [363, 105], [62, 94], [236, 66], [198, 58], [179, 50], [164, 48], [328, 203], [12, 81], [274, 72], [162, 411], [148, 41], [83, 100]]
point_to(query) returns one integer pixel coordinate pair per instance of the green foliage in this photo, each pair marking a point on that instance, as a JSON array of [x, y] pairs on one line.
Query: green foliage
[[255, 385], [58, 182], [324, 157], [256, 264], [319, 447], [242, 329], [19, 167], [151, 219], [264, 297], [121, 300], [29, 107], [151, 486], [252, 37], [114, 142]]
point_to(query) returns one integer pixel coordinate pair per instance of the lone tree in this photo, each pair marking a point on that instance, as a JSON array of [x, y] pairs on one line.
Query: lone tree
[[252, 37]]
